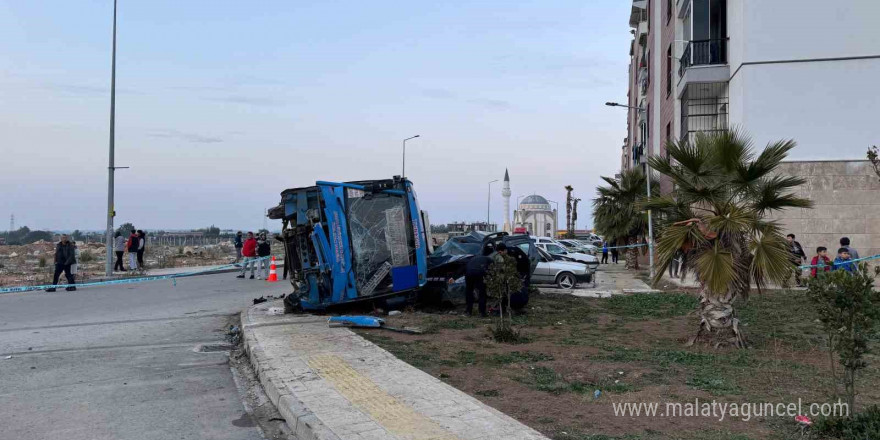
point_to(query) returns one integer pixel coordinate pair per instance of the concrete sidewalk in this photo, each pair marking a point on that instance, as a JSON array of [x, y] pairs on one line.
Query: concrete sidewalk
[[611, 279], [331, 384]]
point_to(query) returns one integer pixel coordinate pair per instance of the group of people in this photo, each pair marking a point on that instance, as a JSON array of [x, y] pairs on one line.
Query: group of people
[[821, 262], [135, 244], [614, 252], [255, 251]]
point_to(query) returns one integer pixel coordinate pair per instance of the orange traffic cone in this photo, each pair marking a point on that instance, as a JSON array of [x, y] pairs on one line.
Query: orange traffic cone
[[273, 276]]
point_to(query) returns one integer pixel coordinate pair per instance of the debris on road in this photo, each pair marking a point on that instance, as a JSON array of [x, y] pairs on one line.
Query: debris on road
[[369, 322]]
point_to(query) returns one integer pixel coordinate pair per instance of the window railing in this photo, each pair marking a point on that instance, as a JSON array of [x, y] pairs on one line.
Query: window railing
[[703, 53]]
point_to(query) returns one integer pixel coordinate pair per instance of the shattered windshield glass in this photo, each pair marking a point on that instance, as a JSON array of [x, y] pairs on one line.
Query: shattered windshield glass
[[381, 238], [464, 245]]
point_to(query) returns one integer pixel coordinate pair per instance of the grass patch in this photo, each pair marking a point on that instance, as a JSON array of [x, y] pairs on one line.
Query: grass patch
[[656, 305], [488, 393], [548, 380], [518, 357]]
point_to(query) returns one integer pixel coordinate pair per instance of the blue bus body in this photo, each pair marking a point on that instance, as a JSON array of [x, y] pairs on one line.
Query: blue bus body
[[352, 241]]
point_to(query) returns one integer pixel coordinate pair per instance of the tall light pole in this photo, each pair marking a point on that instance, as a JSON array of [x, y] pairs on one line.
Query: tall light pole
[[489, 203], [111, 168], [403, 172], [648, 173]]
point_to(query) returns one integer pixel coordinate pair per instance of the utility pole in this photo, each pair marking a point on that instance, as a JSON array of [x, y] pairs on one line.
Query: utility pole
[[403, 171], [111, 168], [489, 203]]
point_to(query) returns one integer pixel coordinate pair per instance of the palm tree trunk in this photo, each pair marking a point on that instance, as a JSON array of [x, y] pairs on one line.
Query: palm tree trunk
[[632, 255], [718, 323]]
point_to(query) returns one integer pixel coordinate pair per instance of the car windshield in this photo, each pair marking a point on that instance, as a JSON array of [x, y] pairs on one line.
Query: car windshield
[[555, 249], [465, 245]]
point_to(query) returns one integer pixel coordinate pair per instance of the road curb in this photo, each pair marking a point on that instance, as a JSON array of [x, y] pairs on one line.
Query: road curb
[[302, 422]]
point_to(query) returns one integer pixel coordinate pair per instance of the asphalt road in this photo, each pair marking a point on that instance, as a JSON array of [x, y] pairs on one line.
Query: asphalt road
[[120, 362]]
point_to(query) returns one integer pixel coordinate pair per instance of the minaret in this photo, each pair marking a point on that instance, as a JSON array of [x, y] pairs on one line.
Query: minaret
[[505, 192]]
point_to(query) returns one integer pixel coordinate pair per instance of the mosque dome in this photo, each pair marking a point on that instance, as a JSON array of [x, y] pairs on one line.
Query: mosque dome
[[534, 203]]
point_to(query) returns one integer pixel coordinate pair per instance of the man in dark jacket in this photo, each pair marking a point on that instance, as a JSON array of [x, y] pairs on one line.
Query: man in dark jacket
[[474, 280], [797, 257], [65, 256], [239, 243]]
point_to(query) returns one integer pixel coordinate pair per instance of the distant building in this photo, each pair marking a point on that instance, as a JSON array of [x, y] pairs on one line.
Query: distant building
[[534, 214], [463, 228]]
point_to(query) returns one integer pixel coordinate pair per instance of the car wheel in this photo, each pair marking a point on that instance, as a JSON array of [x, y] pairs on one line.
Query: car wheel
[[566, 280]]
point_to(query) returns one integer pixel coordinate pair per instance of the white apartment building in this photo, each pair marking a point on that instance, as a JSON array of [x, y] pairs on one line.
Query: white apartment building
[[806, 70]]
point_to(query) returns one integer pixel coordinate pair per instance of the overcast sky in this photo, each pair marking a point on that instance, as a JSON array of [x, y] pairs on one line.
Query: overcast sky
[[223, 104]]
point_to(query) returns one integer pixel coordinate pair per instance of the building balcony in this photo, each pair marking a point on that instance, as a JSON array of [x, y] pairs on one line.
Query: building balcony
[[703, 53], [703, 61]]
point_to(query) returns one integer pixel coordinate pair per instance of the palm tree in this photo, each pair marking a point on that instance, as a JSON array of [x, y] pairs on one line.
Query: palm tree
[[568, 190], [717, 216], [616, 213]]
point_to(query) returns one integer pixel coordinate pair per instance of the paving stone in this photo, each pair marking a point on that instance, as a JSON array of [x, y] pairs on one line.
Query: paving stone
[[331, 384]]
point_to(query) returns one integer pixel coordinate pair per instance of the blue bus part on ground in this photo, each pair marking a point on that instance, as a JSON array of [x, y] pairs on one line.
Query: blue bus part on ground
[[353, 241]]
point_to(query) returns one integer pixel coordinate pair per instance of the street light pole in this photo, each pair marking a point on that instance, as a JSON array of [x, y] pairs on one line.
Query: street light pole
[[111, 168], [489, 203], [648, 173], [403, 172]]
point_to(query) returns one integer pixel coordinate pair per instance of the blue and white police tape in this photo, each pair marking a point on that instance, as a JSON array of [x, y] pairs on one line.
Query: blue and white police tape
[[857, 260], [129, 280], [627, 246]]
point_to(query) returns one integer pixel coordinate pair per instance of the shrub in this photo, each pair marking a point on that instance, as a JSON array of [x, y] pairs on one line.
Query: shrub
[[860, 426], [42, 262], [501, 281], [849, 309], [86, 257]]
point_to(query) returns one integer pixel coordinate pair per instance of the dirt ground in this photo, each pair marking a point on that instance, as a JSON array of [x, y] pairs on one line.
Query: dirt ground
[[631, 349], [33, 263]]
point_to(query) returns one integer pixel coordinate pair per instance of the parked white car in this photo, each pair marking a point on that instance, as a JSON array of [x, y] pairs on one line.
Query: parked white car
[[579, 246], [553, 248], [564, 274]]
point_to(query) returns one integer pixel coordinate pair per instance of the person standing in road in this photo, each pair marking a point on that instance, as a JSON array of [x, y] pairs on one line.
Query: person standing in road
[[65, 257], [853, 253], [614, 252], [604, 252], [264, 250], [132, 247], [238, 245], [119, 248], [142, 247], [249, 252], [797, 257]]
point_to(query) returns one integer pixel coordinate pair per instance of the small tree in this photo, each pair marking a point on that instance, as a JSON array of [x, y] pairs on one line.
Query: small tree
[[501, 281], [849, 309], [874, 157], [125, 229]]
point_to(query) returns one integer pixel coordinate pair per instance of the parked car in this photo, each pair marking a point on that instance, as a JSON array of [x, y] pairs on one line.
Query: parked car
[[578, 246], [564, 274], [558, 250]]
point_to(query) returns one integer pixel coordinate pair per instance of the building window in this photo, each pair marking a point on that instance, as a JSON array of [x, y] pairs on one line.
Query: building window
[[704, 108], [668, 133], [669, 71]]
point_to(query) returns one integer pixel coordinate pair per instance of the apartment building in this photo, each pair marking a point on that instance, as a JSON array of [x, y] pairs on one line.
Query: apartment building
[[806, 70]]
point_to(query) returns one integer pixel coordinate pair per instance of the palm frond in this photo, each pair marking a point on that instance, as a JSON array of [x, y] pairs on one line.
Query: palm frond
[[716, 269]]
